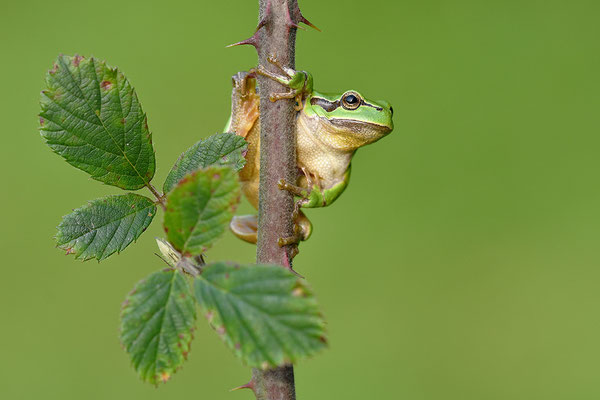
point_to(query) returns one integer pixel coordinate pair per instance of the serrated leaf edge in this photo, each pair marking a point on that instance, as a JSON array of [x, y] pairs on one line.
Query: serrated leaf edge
[[64, 246]]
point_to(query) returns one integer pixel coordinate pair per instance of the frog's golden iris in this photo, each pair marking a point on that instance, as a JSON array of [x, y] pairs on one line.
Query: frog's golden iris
[[351, 100]]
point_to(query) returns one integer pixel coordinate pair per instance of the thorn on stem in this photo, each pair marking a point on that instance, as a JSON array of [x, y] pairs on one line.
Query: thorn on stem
[[297, 274], [252, 41], [287, 262], [307, 22], [301, 18], [249, 385], [290, 22], [266, 17], [262, 23]]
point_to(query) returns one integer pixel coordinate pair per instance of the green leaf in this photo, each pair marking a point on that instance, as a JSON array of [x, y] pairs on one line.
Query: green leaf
[[219, 149], [199, 209], [105, 226], [92, 117], [157, 322], [264, 313]]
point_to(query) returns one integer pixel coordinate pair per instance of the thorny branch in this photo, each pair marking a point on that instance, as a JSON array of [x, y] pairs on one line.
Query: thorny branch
[[275, 36]]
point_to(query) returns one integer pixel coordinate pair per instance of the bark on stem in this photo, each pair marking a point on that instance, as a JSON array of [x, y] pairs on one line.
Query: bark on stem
[[277, 138], [277, 38]]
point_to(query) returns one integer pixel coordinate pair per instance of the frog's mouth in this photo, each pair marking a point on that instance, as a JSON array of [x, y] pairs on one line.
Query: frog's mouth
[[349, 134], [361, 128]]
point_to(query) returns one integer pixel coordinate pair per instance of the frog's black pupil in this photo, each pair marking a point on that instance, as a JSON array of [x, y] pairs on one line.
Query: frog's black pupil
[[351, 99]]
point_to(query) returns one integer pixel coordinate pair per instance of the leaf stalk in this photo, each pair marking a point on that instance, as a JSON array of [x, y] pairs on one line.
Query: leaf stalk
[[160, 198]]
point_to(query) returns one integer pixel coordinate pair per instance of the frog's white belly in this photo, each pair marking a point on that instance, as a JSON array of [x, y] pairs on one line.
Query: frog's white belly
[[318, 157]]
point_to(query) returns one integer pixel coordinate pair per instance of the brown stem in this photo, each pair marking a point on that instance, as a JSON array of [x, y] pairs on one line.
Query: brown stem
[[277, 139], [274, 384], [276, 37]]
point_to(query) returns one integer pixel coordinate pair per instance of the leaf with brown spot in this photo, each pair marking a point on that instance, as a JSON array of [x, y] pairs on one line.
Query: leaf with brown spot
[[105, 226], [221, 149], [157, 324], [200, 207], [83, 108], [255, 311]]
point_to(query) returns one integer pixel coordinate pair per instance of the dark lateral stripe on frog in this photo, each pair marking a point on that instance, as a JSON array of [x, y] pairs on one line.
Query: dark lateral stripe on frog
[[324, 104], [329, 106], [364, 103]]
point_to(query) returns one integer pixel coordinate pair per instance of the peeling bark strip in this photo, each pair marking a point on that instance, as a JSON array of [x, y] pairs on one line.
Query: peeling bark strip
[[276, 37]]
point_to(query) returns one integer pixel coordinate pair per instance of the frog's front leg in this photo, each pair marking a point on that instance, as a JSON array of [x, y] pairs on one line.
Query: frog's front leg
[[299, 82], [317, 195]]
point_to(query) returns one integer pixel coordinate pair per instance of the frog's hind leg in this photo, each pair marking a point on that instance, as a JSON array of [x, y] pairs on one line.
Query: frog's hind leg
[[244, 104], [302, 230], [245, 227]]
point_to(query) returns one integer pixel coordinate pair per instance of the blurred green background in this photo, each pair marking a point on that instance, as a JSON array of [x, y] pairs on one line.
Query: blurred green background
[[463, 260]]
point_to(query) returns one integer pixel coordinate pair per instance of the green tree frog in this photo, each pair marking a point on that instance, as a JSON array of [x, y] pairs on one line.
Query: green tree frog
[[329, 129]]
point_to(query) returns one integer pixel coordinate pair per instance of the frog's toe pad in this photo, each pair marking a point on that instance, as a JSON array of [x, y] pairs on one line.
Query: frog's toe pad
[[245, 227]]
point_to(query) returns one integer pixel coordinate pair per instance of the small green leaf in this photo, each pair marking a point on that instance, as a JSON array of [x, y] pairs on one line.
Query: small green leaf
[[91, 116], [264, 313], [157, 322], [219, 149], [199, 209], [105, 226]]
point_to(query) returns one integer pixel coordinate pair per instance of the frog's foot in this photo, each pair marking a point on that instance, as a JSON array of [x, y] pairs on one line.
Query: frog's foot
[[290, 95], [312, 179], [245, 227], [293, 189], [290, 240], [302, 226], [302, 230], [289, 72], [297, 81], [247, 84], [294, 93]]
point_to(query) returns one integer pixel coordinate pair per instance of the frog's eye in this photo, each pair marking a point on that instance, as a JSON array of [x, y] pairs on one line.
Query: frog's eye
[[351, 100]]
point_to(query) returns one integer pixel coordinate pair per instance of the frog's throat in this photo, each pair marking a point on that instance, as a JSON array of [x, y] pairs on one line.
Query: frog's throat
[[340, 135]]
